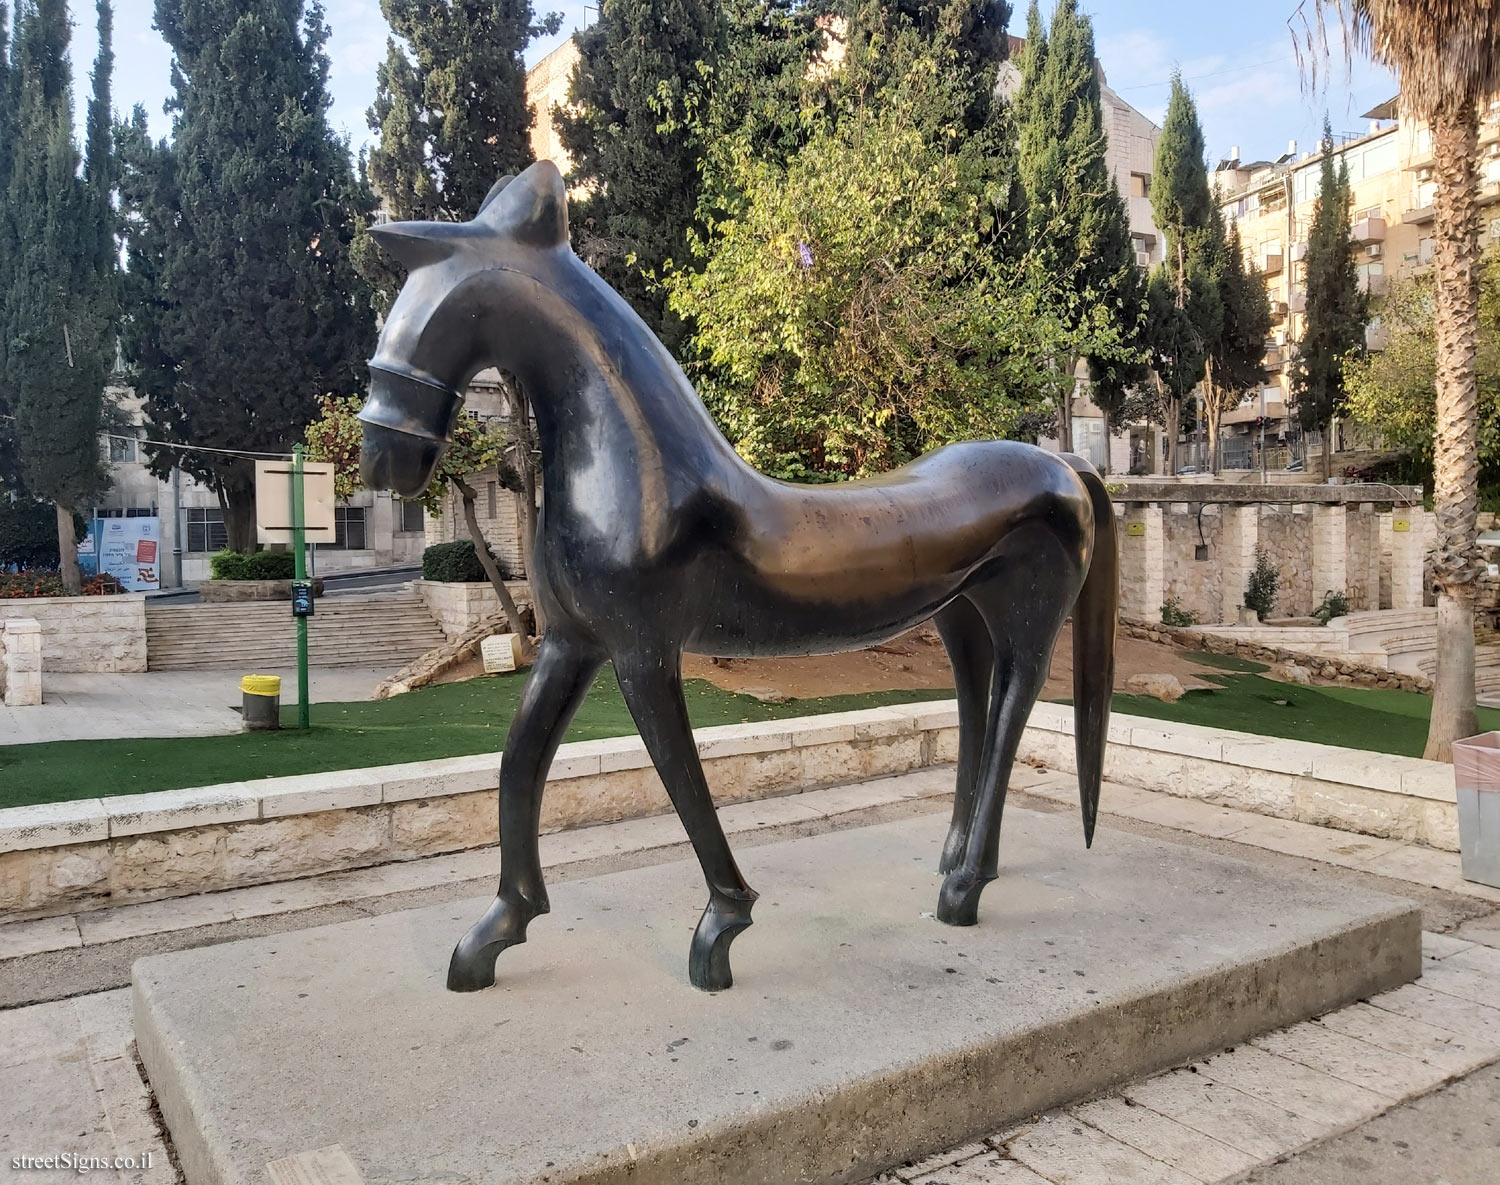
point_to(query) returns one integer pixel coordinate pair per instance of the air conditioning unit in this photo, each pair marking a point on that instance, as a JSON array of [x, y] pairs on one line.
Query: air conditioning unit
[[1373, 251], [1143, 259], [1425, 173]]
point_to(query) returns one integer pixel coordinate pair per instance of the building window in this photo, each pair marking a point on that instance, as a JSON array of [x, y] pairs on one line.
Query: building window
[[1140, 185], [125, 512], [122, 450], [205, 529], [413, 518], [349, 527]]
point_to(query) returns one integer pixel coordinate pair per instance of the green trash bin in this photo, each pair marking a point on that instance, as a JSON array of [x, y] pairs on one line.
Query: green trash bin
[[261, 704]]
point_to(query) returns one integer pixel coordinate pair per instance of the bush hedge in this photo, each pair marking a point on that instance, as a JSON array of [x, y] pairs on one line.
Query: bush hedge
[[453, 563], [255, 565], [44, 582]]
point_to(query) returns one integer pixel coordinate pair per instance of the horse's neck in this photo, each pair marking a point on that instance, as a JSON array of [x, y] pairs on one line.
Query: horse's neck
[[607, 391]]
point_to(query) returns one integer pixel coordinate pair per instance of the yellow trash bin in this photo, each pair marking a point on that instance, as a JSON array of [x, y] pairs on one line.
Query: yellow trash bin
[[261, 704]]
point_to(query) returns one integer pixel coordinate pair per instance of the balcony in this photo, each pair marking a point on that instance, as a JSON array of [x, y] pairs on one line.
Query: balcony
[[1299, 251], [1298, 302], [1270, 263], [1368, 230], [1375, 338], [1373, 284]]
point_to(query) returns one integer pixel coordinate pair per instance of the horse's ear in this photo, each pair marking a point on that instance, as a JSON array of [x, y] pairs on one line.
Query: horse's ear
[[494, 192], [535, 209], [413, 244]]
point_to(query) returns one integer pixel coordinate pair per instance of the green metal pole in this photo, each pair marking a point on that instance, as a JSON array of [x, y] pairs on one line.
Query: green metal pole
[[299, 550]]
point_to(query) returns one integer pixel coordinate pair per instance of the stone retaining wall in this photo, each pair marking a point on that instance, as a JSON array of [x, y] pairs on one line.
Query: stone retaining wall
[[64, 857], [458, 608], [87, 634], [95, 852], [1344, 670], [21, 663]]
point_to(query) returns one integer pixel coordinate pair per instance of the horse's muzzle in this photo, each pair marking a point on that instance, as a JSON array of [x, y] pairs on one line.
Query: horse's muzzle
[[407, 425]]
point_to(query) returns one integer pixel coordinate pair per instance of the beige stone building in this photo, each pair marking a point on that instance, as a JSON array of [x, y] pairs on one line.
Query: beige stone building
[[546, 89], [1390, 233]]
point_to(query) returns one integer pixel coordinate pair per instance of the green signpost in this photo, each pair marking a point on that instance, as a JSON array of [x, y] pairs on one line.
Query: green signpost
[[302, 598]]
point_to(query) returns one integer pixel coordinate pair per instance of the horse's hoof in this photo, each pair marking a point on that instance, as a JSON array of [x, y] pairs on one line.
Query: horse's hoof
[[472, 967], [958, 902], [721, 923]]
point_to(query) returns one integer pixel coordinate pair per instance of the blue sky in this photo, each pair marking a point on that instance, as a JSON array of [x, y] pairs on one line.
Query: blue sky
[[1238, 59]]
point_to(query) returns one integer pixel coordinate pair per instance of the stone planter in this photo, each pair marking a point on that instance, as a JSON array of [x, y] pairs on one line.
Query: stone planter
[[1248, 616], [219, 592]]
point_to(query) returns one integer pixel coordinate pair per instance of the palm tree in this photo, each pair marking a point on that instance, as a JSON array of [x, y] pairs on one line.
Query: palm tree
[[1446, 54]]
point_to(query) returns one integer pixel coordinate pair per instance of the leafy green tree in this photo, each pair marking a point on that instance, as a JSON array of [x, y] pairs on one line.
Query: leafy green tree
[[244, 304], [1076, 223], [854, 311], [1184, 312], [1334, 326], [1236, 357], [1394, 390], [639, 88], [336, 437], [59, 301], [450, 111]]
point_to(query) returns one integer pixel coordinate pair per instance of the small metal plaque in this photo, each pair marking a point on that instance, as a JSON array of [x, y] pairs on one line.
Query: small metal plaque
[[1401, 524], [302, 598], [1135, 530]]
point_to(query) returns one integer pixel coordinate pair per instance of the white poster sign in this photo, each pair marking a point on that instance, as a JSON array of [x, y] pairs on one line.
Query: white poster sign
[[130, 551]]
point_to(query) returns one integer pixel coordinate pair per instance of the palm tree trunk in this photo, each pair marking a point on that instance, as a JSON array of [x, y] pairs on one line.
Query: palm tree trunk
[[1456, 444]]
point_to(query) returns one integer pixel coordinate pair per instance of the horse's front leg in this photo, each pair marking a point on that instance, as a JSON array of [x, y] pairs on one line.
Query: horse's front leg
[[565, 667], [651, 680]]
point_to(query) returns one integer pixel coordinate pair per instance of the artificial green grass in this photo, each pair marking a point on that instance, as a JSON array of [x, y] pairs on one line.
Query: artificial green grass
[[448, 721], [1379, 720]]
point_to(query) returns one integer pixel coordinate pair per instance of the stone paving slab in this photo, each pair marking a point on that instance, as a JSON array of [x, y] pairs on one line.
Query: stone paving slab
[[858, 1029]]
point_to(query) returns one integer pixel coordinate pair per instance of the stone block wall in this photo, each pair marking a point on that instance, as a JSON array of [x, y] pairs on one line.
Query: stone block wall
[[458, 608], [86, 634], [1315, 548]]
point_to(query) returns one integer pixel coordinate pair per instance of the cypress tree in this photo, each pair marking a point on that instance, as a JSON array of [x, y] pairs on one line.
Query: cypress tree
[[451, 113], [244, 304], [1184, 313], [1235, 361], [1334, 325], [1078, 231], [642, 73], [10, 461], [60, 310]]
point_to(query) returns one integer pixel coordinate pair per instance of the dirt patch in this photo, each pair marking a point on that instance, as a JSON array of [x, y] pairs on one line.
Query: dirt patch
[[913, 662]]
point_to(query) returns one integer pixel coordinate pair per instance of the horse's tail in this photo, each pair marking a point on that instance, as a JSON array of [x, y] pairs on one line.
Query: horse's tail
[[1095, 616]]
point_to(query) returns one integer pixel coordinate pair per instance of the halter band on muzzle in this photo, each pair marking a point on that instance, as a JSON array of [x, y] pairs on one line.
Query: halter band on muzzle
[[408, 421]]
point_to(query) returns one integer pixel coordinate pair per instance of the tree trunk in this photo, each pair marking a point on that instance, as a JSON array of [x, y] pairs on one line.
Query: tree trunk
[[67, 552], [237, 500], [1212, 405], [1328, 450], [527, 463], [1173, 427], [1456, 444], [492, 569]]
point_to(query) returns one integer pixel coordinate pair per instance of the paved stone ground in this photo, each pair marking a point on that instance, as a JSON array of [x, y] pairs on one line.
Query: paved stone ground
[[163, 703], [1325, 1102]]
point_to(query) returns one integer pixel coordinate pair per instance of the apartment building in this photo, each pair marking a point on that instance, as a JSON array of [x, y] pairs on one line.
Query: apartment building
[[1390, 232]]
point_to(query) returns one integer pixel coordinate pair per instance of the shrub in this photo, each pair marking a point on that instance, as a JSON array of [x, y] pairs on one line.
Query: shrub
[[1335, 604], [255, 565], [1264, 581], [1172, 613], [45, 582], [452, 563]]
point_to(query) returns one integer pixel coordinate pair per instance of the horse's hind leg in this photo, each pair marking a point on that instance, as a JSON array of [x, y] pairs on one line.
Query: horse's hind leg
[[1024, 608], [558, 682], [651, 680], [971, 653]]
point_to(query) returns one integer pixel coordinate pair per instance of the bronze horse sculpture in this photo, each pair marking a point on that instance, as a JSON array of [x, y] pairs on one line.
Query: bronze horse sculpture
[[655, 538]]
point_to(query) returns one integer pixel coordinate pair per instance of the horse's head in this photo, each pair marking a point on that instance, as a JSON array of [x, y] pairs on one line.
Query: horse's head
[[439, 332]]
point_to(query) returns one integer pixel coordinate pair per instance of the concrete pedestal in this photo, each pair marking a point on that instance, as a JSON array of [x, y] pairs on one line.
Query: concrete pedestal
[[860, 1032]]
